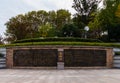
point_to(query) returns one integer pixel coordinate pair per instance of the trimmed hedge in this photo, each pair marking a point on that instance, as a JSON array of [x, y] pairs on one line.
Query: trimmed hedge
[[117, 53], [64, 43], [1, 55], [62, 39]]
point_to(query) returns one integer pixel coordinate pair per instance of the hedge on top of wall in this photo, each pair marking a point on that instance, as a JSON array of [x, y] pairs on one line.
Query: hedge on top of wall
[[62, 39]]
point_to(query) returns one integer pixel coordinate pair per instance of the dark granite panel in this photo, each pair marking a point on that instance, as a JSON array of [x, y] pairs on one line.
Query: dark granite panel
[[35, 57], [84, 58]]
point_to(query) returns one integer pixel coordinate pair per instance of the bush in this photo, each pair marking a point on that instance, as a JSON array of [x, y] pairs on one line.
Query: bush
[[63, 43], [104, 38], [117, 53], [1, 55], [62, 39]]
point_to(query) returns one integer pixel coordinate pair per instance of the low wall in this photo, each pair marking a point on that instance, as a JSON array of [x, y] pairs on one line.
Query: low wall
[[59, 56]]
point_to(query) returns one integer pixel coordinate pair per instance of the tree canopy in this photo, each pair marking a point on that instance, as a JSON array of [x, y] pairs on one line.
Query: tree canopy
[[59, 23], [107, 20], [27, 25], [86, 9]]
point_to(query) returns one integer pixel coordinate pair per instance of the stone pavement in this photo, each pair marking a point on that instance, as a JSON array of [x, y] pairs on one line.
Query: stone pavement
[[59, 76]]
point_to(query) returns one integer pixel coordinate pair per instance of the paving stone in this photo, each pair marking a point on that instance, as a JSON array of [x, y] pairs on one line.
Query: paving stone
[[59, 76]]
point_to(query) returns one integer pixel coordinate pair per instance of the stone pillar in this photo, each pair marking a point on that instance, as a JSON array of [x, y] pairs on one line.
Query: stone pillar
[[60, 63], [109, 57], [9, 57]]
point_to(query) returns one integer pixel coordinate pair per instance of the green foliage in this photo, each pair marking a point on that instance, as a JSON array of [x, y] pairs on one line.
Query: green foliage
[[52, 18], [62, 39], [117, 13], [70, 30], [17, 26], [44, 29], [64, 43], [86, 12], [63, 17], [58, 23], [86, 9], [117, 53], [114, 33], [104, 38], [52, 32], [27, 26], [108, 19], [1, 40], [77, 21], [1, 55], [95, 27], [107, 16]]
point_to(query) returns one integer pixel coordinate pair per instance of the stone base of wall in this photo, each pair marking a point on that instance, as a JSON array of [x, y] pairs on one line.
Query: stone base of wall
[[47, 68], [60, 65]]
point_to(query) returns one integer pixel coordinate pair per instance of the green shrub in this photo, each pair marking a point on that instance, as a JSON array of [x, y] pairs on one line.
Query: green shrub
[[117, 53], [64, 43], [1, 55], [104, 38], [62, 39]]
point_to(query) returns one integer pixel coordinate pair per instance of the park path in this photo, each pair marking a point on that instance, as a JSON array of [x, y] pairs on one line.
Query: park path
[[59, 76]]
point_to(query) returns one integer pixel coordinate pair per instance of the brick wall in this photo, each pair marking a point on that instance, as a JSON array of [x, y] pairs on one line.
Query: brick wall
[[9, 57]]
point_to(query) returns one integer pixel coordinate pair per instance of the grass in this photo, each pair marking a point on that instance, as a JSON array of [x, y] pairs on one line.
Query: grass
[[59, 39], [64, 43]]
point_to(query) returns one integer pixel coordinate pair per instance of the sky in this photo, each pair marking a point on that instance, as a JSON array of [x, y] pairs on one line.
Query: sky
[[11, 8]]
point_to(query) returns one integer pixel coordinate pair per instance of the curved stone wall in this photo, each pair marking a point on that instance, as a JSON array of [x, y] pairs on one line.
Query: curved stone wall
[[59, 56]]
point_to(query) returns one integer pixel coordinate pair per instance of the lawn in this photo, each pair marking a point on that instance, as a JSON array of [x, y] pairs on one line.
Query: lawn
[[64, 43]]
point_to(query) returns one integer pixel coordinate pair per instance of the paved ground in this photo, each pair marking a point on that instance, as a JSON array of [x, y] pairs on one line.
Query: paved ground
[[59, 76]]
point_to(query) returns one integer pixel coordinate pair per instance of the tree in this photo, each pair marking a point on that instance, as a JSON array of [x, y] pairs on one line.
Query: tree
[[44, 29], [86, 9], [108, 17], [114, 33], [107, 20], [1, 40], [95, 27], [70, 30], [117, 13], [34, 20], [17, 26], [63, 17], [27, 26], [52, 18]]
